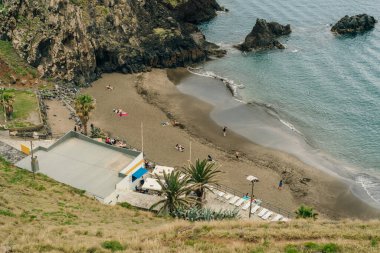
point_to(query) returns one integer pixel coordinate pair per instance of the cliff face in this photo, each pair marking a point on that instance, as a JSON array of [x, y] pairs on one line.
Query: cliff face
[[76, 40]]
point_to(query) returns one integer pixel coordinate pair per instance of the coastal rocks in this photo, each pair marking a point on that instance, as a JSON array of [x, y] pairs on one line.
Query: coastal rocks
[[75, 43], [194, 11], [354, 24], [263, 36]]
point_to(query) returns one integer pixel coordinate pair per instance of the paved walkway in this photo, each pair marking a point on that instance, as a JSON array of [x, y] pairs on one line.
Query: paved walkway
[[10, 154]]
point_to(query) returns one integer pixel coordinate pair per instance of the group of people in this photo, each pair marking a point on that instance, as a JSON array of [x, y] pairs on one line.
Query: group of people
[[118, 143], [179, 147]]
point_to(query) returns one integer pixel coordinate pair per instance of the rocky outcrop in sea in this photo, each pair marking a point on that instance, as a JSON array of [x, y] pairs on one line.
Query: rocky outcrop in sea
[[264, 36], [354, 24], [76, 41]]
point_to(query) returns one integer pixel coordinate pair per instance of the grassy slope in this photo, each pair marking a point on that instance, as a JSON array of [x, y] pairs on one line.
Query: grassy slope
[[46, 216], [12, 64]]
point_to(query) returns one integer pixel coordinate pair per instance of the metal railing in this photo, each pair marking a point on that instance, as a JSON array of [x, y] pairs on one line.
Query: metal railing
[[272, 207]]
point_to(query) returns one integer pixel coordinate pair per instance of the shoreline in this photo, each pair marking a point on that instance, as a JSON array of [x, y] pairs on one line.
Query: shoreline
[[261, 124], [147, 96]]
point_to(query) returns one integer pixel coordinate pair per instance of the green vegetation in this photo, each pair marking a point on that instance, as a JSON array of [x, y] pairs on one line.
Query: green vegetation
[[7, 100], [306, 212], [202, 174], [59, 219], [17, 65], [112, 245], [163, 33], [175, 188], [25, 109], [84, 104], [204, 214], [175, 3]]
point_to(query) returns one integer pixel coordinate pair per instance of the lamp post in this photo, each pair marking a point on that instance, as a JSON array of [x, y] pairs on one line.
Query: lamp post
[[251, 179]]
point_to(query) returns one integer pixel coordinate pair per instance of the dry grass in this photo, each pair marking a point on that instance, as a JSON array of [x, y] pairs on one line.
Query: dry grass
[[45, 216]]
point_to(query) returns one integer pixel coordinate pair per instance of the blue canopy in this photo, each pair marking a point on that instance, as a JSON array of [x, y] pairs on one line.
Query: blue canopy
[[139, 173]]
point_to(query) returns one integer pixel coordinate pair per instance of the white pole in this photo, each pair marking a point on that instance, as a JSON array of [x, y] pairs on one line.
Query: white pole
[[142, 137]]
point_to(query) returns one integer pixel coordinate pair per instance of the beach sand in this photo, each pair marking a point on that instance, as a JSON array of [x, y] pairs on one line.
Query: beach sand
[[152, 97]]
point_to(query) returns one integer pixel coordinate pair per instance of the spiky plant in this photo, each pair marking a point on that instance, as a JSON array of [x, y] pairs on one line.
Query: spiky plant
[[202, 175], [175, 189], [306, 212], [84, 104], [6, 101]]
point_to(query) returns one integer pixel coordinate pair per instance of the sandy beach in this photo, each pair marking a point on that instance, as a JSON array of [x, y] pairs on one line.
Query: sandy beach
[[152, 97]]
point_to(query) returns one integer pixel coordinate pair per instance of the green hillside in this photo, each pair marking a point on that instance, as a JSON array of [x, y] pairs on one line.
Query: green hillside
[[42, 215]]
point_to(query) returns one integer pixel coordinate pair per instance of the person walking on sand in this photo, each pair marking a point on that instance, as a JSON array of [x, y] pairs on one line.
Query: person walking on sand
[[224, 131], [280, 184], [237, 155]]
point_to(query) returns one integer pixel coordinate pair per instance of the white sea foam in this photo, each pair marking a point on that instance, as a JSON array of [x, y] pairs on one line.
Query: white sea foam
[[230, 84], [290, 126], [370, 184]]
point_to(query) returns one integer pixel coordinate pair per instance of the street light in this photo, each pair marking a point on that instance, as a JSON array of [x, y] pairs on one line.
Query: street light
[[251, 179]]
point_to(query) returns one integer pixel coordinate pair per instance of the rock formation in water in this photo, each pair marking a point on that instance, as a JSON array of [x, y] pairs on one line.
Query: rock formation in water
[[76, 40], [264, 36], [354, 24], [194, 11]]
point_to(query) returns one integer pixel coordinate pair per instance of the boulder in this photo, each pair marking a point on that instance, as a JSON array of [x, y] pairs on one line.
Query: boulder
[[354, 24], [264, 36]]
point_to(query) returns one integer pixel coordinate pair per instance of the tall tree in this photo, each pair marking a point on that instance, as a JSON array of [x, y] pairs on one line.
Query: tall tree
[[202, 175], [84, 104], [175, 189], [6, 101]]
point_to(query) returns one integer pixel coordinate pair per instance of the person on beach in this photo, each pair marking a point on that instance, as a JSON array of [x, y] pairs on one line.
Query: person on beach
[[109, 87], [224, 131], [237, 155], [209, 158], [280, 184]]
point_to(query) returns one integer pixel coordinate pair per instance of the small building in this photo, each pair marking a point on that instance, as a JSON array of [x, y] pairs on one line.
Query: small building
[[102, 170]]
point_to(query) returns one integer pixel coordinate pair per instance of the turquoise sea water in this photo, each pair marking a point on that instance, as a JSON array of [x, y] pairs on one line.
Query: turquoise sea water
[[326, 86]]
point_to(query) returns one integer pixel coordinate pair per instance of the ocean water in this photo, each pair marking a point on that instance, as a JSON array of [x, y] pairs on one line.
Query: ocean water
[[325, 88]]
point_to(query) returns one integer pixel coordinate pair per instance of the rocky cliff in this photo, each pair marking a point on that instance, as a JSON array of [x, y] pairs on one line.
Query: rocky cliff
[[76, 40], [264, 36], [354, 24]]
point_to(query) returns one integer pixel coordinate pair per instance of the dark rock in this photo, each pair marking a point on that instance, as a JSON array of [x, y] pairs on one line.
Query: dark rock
[[354, 24], [194, 11], [263, 36]]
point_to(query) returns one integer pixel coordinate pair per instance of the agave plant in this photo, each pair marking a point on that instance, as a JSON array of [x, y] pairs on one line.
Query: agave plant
[[202, 174], [84, 104], [175, 189], [204, 214], [6, 101]]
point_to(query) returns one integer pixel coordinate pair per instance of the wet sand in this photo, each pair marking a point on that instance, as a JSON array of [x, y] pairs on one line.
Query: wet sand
[[151, 97]]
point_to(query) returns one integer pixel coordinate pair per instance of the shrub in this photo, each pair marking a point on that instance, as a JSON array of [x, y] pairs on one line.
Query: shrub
[[204, 214], [330, 248], [112, 245], [306, 212], [7, 213]]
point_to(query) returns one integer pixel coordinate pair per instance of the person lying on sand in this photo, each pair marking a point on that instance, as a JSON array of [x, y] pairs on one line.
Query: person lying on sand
[[120, 112], [109, 87]]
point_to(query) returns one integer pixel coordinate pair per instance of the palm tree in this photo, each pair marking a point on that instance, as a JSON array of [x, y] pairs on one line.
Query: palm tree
[[202, 174], [84, 104], [306, 212], [6, 102], [175, 189]]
